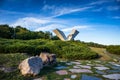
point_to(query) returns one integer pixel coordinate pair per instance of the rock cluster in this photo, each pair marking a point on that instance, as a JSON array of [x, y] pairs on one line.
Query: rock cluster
[[33, 65]]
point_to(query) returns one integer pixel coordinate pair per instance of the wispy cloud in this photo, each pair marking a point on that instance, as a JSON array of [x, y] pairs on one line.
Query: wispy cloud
[[64, 11], [75, 27], [37, 24], [48, 7], [30, 22], [113, 8], [11, 12], [99, 2], [50, 27]]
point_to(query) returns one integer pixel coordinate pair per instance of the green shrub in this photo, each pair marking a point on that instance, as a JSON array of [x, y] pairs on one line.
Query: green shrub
[[114, 49], [63, 49]]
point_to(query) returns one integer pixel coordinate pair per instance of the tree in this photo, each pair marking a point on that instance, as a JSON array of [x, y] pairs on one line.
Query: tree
[[6, 31]]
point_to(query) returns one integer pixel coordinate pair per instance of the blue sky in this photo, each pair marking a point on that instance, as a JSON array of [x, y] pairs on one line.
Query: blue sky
[[96, 20]]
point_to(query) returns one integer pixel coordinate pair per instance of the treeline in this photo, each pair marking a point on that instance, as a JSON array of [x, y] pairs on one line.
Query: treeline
[[22, 33], [114, 49]]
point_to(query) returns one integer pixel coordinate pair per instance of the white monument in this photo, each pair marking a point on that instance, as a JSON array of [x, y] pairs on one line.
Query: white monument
[[62, 36]]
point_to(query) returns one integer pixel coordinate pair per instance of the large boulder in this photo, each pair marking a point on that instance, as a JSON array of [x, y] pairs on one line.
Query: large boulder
[[31, 66], [48, 59]]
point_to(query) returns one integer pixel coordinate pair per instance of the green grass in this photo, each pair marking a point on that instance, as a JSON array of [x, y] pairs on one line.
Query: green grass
[[11, 60]]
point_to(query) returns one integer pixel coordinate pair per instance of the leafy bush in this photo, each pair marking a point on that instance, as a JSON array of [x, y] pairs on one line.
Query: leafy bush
[[63, 49], [114, 49]]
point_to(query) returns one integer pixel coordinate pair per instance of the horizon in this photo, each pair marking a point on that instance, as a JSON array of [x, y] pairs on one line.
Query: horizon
[[97, 21]]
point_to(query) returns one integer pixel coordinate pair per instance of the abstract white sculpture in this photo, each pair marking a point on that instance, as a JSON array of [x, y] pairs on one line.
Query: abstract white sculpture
[[62, 36]]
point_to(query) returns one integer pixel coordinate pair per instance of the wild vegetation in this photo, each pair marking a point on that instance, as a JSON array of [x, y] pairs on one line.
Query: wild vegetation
[[67, 50], [92, 44], [22, 33], [114, 49]]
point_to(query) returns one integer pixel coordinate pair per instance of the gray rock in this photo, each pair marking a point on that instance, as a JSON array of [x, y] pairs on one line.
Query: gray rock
[[48, 59], [62, 72], [38, 79], [75, 62], [67, 79], [8, 69], [80, 70], [101, 68], [31, 66], [86, 77], [73, 76], [84, 66], [112, 76]]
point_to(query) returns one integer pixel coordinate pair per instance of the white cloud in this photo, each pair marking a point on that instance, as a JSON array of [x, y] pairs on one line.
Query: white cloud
[[75, 27], [63, 11], [50, 27], [30, 22], [36, 24], [48, 7], [99, 2], [112, 8], [11, 12]]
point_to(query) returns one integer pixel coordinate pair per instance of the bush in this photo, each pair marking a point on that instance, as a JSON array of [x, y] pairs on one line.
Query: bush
[[63, 49], [114, 49]]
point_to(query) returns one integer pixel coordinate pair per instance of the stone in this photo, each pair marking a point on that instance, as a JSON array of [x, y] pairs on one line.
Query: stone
[[67, 79], [83, 66], [73, 76], [75, 62], [86, 77], [99, 65], [100, 72], [76, 67], [115, 64], [101, 68], [38, 79], [62, 72], [68, 64], [31, 66], [98, 61], [60, 67], [8, 69], [115, 60], [48, 59], [89, 64], [80, 70], [115, 67], [113, 71], [112, 76]]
